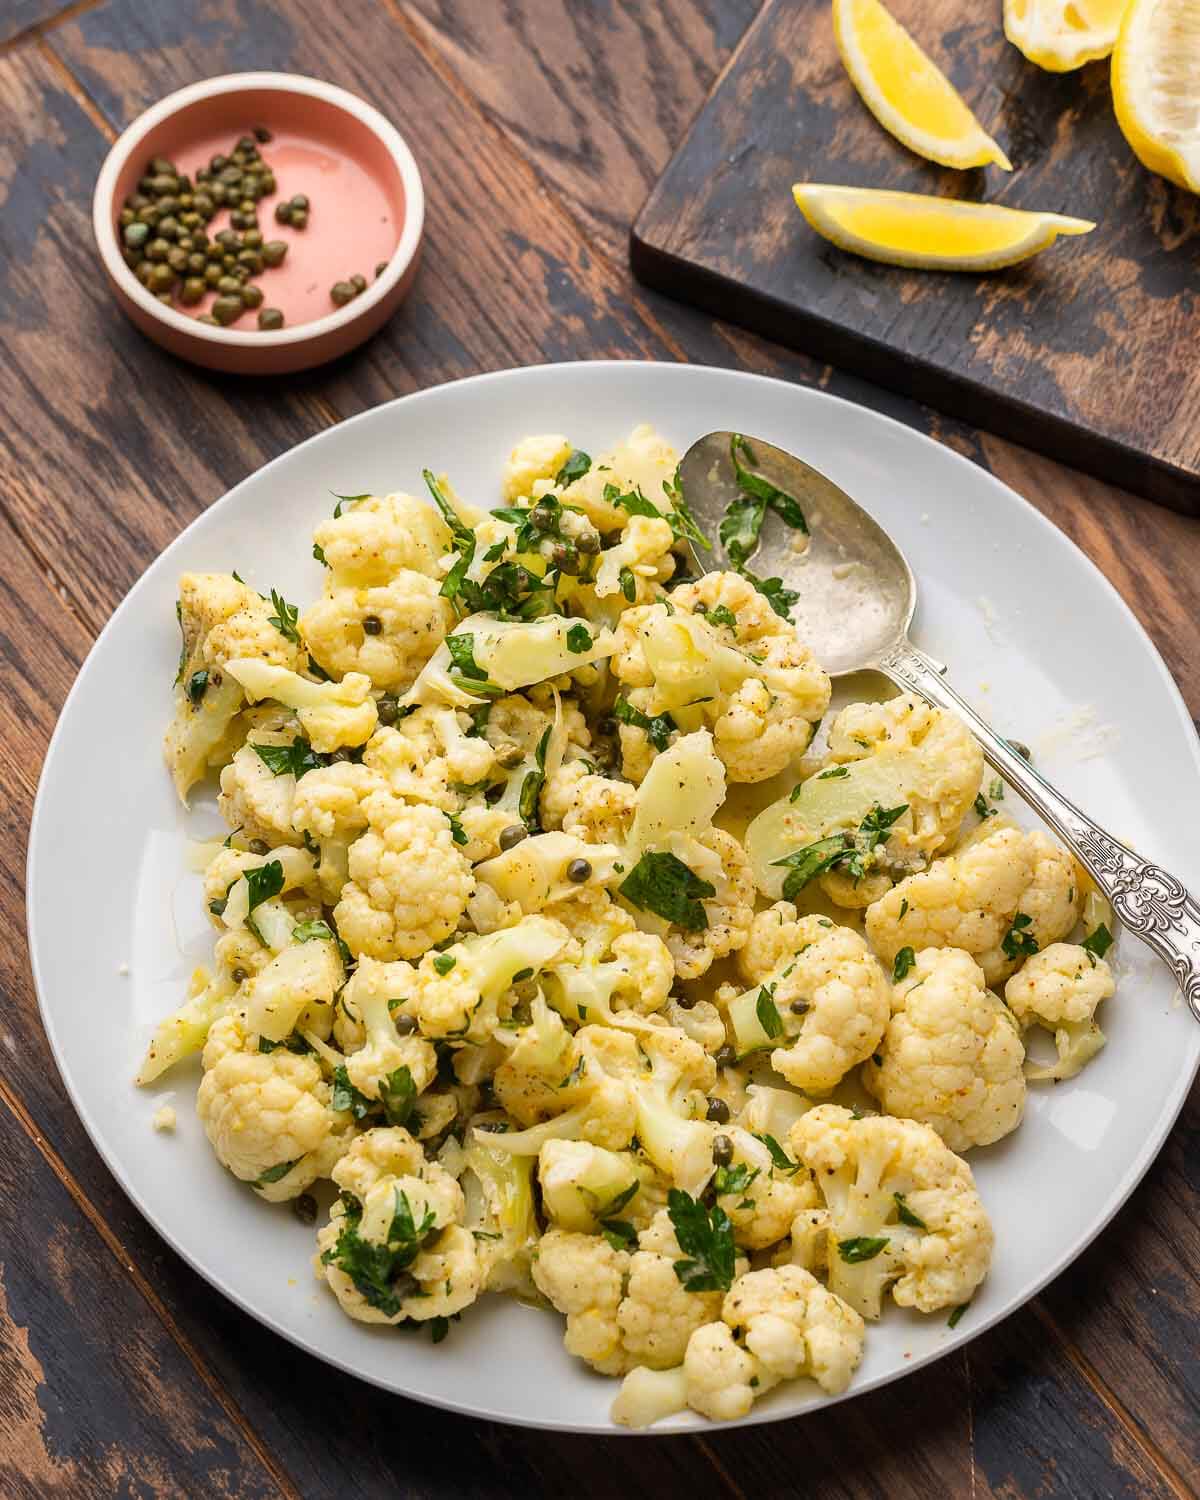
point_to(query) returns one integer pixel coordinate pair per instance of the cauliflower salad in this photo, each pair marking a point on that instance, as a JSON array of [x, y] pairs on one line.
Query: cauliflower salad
[[568, 948]]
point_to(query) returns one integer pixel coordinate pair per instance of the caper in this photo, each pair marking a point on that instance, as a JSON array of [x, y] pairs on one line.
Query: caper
[[229, 286], [270, 318], [246, 143], [239, 220], [196, 263], [510, 756], [588, 543], [137, 200], [543, 517], [261, 133], [298, 218], [359, 282], [722, 1150], [218, 164], [136, 235], [126, 217], [143, 271], [405, 1025], [388, 708], [162, 279], [168, 205], [251, 295], [565, 558], [227, 309], [146, 185], [273, 252], [132, 258], [283, 213], [341, 292], [187, 201], [177, 259], [800, 1007], [228, 262], [372, 625], [717, 1112], [239, 975], [168, 227], [185, 243], [253, 239], [298, 200], [192, 291], [1021, 748], [252, 260], [725, 1056], [212, 274], [219, 194], [228, 238], [203, 174], [208, 318], [268, 182], [161, 167], [190, 220], [204, 205], [305, 1208], [380, 269], [148, 216], [258, 846], [240, 273], [340, 756], [579, 870], [164, 185], [230, 175], [511, 836]]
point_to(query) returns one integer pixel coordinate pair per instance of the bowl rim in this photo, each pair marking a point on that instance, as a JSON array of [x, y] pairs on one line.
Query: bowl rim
[[127, 143]]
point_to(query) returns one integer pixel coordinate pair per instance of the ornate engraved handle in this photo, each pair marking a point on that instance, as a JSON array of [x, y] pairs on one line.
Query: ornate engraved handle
[[1149, 900]]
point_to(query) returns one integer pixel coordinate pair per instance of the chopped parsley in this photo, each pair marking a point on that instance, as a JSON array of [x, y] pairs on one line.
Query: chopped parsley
[[295, 759], [861, 1247], [680, 519], [1098, 943], [443, 963], [575, 468], [262, 883], [313, 931], [658, 730], [852, 852], [982, 808], [781, 1161], [660, 882], [1018, 940], [462, 654], [292, 1043], [531, 787], [377, 1270], [579, 639], [457, 832], [344, 1096], [619, 1233], [741, 525], [276, 1173], [398, 1095], [956, 1316], [735, 1178], [285, 617], [834, 773], [706, 1239], [628, 585], [906, 1215], [319, 554], [768, 1012], [721, 614], [904, 961], [344, 501]]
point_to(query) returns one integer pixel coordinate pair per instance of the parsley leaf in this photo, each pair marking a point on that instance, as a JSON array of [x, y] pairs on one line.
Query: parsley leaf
[[1099, 942], [443, 963], [575, 468], [735, 1178], [457, 832], [721, 614], [982, 808], [345, 1096], [861, 1247], [658, 729], [741, 525], [615, 1205], [706, 1239], [768, 1012], [906, 1215], [779, 1157], [834, 773], [285, 617], [276, 1173], [375, 1269], [293, 1043], [345, 500], [531, 787], [754, 485], [290, 760], [263, 882], [398, 1095], [852, 852], [660, 882], [904, 961], [319, 554], [1017, 940], [462, 654], [773, 591], [619, 1233], [314, 931], [579, 639]]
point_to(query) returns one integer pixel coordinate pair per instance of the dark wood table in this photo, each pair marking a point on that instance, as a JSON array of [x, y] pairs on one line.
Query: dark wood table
[[540, 126]]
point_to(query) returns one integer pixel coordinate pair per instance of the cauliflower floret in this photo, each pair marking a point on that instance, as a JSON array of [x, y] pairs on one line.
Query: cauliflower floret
[[254, 800], [267, 1115], [721, 1378], [895, 1181], [227, 893], [644, 461], [793, 1326], [531, 1083], [408, 885], [534, 458], [976, 901], [584, 1184], [658, 1314], [382, 535], [761, 704], [950, 762], [330, 802], [950, 1056], [500, 1205], [601, 810], [1060, 988], [761, 1201], [332, 714], [392, 1064], [634, 981], [221, 620], [643, 554], [388, 632], [583, 1276], [829, 1002], [295, 991], [395, 1247], [428, 754], [718, 858], [671, 1100], [459, 993], [773, 941]]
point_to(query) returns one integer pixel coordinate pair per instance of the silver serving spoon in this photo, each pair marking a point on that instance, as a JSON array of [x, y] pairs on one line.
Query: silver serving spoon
[[857, 597]]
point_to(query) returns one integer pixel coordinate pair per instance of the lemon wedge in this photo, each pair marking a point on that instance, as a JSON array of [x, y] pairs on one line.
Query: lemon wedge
[[1156, 87], [934, 234], [1060, 35], [907, 93]]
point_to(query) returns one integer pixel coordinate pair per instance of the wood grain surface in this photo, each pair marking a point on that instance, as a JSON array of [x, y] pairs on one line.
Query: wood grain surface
[[1083, 352], [540, 125]]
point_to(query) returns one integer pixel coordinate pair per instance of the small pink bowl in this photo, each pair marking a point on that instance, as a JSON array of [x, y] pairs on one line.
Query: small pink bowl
[[368, 205]]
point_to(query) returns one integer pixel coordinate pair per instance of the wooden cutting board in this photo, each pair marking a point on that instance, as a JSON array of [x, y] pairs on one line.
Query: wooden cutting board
[[1090, 352]]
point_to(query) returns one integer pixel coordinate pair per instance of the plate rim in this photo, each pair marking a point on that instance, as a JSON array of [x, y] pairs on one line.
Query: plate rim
[[1151, 1146]]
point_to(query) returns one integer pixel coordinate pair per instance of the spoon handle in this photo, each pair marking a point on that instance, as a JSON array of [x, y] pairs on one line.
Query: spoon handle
[[1150, 901]]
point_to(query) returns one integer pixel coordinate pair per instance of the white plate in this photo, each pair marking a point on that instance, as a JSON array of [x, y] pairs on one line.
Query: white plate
[[1034, 634]]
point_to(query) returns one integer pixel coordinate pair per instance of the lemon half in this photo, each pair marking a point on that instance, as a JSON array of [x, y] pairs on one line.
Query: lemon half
[[1156, 86], [907, 93], [1060, 35], [935, 234]]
